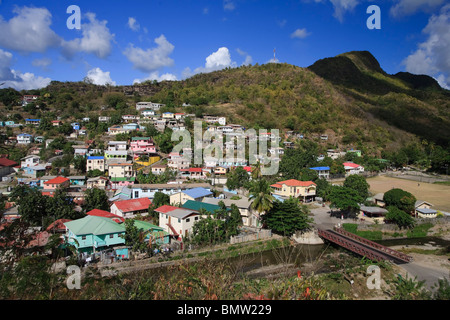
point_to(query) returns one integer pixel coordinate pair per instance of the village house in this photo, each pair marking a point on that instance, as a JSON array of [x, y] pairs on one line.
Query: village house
[[80, 150], [422, 209], [159, 169], [94, 233], [196, 194], [104, 119], [147, 113], [149, 105], [28, 98], [119, 170], [168, 115], [149, 190], [215, 119], [142, 145], [131, 208], [6, 166], [130, 118], [304, 190], [34, 122], [352, 168], [322, 172], [97, 182], [29, 161], [177, 221], [105, 214], [117, 146], [177, 162], [24, 138], [52, 185], [95, 163], [118, 182], [250, 217]]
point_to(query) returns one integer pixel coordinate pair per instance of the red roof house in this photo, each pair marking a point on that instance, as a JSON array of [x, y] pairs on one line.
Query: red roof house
[[105, 214], [131, 207]]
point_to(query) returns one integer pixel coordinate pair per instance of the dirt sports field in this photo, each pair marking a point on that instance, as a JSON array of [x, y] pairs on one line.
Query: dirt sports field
[[436, 194]]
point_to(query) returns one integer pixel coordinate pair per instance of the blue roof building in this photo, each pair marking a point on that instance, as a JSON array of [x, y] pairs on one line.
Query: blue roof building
[[323, 172]]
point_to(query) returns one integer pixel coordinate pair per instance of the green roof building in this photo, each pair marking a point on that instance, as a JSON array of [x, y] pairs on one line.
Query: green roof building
[[93, 233]]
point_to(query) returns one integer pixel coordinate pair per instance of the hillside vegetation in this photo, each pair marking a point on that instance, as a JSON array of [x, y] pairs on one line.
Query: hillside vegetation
[[349, 97]]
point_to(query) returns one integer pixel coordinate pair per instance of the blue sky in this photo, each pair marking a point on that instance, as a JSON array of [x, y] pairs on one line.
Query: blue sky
[[122, 42]]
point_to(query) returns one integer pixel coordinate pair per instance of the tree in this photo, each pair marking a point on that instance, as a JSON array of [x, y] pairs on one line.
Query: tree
[[208, 231], [401, 199], [61, 206], [359, 184], [399, 217], [286, 218], [345, 199], [159, 200], [134, 237], [95, 199], [260, 195], [237, 178]]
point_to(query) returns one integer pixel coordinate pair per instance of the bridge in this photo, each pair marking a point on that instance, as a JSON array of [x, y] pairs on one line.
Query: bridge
[[364, 247]]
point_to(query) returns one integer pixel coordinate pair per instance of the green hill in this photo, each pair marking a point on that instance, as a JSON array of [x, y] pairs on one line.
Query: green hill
[[349, 97]]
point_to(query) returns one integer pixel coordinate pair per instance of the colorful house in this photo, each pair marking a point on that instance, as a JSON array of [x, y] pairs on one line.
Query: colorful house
[[305, 190], [196, 194], [93, 233], [154, 234], [323, 172], [95, 163], [24, 138], [178, 222], [142, 145], [131, 208], [352, 168], [55, 183], [105, 214]]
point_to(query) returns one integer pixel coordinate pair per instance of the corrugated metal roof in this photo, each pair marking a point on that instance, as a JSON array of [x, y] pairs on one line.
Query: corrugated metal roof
[[94, 225], [197, 192]]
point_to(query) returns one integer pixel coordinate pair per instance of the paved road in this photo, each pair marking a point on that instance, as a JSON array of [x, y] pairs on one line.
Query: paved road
[[423, 273]]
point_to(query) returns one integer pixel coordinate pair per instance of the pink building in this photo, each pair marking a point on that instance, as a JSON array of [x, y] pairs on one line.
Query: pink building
[[142, 145]]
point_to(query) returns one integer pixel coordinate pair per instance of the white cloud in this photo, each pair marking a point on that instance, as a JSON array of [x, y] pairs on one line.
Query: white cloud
[[150, 60], [133, 24], [16, 79], [228, 5], [432, 56], [99, 77], [216, 61], [42, 63], [409, 7], [341, 6], [248, 59], [96, 39], [300, 33], [28, 31], [155, 76]]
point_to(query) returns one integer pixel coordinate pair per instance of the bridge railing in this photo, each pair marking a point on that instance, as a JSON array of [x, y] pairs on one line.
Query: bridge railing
[[375, 245]]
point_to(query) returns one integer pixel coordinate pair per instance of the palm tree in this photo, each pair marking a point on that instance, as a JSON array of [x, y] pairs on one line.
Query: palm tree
[[256, 172], [260, 193]]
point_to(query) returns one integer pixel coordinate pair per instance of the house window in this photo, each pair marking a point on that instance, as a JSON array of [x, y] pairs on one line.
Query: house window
[[179, 220], [196, 218], [187, 220], [83, 237], [111, 236]]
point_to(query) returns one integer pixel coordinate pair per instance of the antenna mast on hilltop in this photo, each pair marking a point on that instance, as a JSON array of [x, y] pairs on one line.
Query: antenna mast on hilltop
[[274, 59]]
